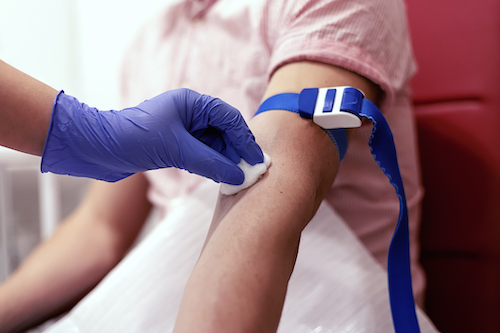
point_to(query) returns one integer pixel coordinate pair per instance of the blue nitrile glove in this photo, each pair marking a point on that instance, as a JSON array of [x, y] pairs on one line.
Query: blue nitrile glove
[[179, 128]]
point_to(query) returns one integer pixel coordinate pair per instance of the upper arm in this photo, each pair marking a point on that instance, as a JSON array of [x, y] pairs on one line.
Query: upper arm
[[294, 77], [304, 159], [303, 141]]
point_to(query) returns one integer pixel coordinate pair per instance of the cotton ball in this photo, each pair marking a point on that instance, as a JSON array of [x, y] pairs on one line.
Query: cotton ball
[[252, 174]]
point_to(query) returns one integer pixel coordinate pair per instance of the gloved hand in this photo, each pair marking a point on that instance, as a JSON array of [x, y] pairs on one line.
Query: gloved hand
[[179, 128]]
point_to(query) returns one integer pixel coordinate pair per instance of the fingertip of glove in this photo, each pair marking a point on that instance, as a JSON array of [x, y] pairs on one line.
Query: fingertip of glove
[[234, 177], [254, 155]]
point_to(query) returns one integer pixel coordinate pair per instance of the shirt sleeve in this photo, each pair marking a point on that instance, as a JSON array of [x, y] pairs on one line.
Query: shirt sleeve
[[369, 37]]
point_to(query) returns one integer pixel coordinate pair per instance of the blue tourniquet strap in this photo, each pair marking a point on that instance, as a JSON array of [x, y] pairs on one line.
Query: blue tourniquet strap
[[398, 262], [285, 101], [290, 102], [384, 151]]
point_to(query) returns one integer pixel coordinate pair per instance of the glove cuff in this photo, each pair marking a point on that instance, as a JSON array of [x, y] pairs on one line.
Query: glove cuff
[[47, 159], [70, 147]]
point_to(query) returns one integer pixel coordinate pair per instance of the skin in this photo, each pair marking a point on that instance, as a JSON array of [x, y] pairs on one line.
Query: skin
[[25, 110]]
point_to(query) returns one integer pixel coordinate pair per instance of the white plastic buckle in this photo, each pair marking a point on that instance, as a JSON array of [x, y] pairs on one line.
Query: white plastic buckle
[[331, 108]]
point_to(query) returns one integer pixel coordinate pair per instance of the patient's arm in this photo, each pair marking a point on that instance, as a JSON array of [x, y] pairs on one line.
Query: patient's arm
[[81, 252], [240, 280]]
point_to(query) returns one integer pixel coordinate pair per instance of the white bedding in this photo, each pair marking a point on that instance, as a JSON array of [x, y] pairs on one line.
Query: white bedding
[[336, 286]]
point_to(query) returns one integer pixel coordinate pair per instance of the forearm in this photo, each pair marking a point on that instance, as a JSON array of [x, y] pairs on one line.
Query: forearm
[[239, 283], [58, 274], [80, 253], [25, 110]]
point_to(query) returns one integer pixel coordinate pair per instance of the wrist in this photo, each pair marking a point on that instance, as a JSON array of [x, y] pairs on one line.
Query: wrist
[[80, 142]]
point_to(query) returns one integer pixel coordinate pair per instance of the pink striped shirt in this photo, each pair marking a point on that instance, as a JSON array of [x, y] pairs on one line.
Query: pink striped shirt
[[230, 49]]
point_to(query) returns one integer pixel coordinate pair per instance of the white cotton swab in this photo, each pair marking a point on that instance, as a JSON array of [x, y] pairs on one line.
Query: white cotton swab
[[252, 174]]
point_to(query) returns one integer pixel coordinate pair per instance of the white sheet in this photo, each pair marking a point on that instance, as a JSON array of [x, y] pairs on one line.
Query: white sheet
[[336, 286]]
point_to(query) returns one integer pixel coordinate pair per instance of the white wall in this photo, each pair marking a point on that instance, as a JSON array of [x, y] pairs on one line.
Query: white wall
[[36, 37], [75, 45], [105, 31]]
